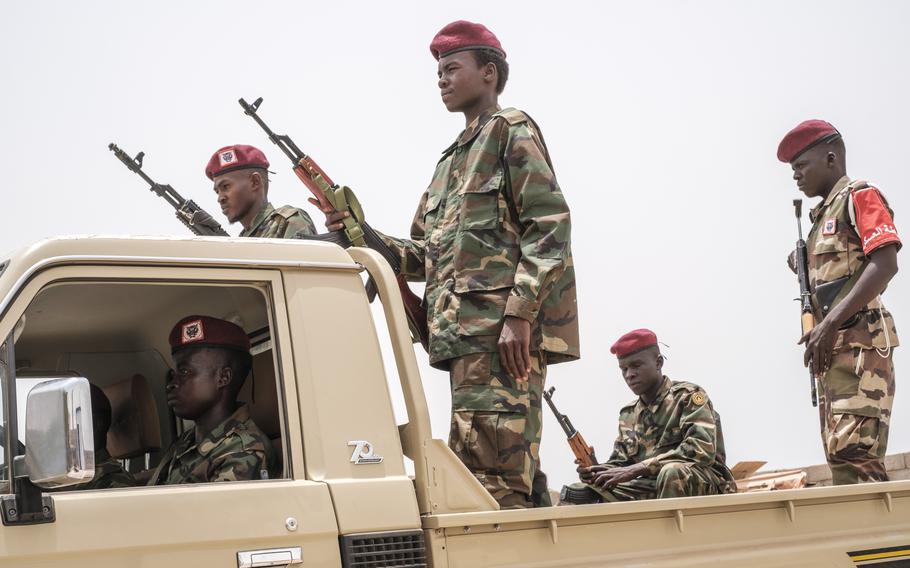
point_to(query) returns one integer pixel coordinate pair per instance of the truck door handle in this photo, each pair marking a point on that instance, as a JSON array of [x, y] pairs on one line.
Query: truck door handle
[[269, 557]]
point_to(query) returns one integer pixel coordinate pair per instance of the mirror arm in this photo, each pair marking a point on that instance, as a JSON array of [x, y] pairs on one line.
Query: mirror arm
[[27, 506]]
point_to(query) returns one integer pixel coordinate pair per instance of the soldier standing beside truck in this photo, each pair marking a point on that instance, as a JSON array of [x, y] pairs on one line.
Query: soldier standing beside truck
[[670, 442], [852, 255], [241, 180], [491, 240]]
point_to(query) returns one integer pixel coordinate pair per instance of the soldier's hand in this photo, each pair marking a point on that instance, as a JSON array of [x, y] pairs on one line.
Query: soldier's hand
[[791, 261], [617, 475], [333, 218], [514, 347], [819, 347], [587, 474]]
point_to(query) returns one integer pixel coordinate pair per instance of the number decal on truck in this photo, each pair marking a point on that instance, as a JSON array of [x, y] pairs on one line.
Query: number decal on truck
[[363, 453]]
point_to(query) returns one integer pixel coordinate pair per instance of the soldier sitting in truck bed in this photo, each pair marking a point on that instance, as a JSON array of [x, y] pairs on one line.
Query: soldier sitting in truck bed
[[211, 360], [670, 442]]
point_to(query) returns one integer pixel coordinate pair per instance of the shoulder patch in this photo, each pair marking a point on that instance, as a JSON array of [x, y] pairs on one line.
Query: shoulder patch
[[513, 116], [699, 398], [286, 211]]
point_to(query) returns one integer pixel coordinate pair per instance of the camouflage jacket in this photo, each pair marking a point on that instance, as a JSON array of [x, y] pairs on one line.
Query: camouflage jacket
[[108, 474], [491, 238], [837, 250], [235, 450], [286, 222], [680, 425]]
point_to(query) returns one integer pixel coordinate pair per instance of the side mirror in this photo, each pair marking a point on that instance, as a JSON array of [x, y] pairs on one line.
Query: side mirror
[[59, 440]]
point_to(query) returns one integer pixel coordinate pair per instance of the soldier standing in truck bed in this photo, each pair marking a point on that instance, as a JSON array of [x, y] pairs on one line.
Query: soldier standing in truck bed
[[852, 250], [491, 240]]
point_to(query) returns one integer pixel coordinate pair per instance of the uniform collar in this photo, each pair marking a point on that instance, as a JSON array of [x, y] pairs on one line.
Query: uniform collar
[[661, 393], [211, 440], [476, 126], [265, 213], [838, 187]]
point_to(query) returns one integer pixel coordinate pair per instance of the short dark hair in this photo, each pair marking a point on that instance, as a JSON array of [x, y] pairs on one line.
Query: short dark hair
[[101, 416], [484, 56]]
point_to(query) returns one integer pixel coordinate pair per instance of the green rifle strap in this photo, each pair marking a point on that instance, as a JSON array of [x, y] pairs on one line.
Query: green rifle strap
[[345, 200]]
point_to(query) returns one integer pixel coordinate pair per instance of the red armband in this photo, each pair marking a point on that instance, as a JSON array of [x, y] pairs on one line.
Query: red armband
[[874, 223]]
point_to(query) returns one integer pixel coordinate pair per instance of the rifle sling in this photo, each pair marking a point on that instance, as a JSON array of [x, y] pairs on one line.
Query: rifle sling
[[830, 294]]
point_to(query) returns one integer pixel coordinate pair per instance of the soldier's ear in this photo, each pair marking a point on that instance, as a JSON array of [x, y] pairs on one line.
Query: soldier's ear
[[831, 159], [660, 362], [225, 377], [256, 181]]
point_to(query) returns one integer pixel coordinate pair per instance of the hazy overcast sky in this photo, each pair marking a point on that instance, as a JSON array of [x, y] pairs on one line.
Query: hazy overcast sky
[[662, 118]]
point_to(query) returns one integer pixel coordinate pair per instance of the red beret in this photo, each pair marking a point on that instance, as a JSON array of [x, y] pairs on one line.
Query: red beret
[[633, 341], [806, 135], [235, 157], [461, 36], [205, 331]]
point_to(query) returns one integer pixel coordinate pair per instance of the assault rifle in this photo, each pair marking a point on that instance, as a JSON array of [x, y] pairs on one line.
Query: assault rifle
[[340, 198], [194, 217], [805, 293], [583, 452]]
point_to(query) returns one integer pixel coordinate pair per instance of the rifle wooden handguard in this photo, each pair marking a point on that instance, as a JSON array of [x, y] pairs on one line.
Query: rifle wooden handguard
[[583, 452]]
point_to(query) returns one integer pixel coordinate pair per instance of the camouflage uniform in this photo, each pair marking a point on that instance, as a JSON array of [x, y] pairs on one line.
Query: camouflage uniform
[[857, 391], [491, 239], [286, 222], [109, 474], [678, 436], [236, 450]]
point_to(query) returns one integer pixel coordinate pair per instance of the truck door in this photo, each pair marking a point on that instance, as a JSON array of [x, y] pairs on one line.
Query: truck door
[[110, 324]]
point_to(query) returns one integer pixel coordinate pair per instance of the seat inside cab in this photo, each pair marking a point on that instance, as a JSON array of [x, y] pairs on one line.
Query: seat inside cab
[[116, 335]]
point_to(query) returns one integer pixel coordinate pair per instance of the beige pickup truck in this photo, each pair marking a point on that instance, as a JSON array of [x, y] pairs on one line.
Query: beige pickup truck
[[97, 309]]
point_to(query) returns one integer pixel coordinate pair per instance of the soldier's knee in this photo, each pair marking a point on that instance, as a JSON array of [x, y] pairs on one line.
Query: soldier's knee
[[673, 471]]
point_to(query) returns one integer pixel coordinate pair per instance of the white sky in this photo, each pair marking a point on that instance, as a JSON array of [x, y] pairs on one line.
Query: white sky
[[662, 119]]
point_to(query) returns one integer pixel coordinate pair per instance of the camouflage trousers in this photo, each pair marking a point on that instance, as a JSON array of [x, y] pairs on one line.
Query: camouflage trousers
[[496, 427], [675, 479], [854, 406]]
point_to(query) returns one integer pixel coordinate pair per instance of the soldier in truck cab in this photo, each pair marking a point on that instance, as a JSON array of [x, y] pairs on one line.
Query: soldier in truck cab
[[852, 256], [211, 360], [670, 442], [108, 471]]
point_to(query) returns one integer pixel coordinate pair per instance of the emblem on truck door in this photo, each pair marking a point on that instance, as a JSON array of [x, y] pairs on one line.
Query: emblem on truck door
[[363, 453]]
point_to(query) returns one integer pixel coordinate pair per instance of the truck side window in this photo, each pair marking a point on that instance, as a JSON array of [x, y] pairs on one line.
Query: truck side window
[[116, 334]]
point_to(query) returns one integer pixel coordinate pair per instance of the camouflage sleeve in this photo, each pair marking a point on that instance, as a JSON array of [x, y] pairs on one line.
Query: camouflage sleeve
[[543, 214], [299, 224], [619, 457], [241, 465], [698, 435], [412, 251]]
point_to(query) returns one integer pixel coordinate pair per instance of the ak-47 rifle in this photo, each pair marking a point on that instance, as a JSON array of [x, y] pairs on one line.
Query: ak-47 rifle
[[194, 217], [805, 293], [340, 198], [583, 452]]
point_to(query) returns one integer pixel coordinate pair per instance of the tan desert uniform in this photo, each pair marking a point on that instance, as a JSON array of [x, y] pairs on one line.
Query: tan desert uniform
[[857, 392]]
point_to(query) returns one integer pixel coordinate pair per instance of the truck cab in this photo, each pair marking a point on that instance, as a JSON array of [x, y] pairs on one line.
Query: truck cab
[[97, 310]]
